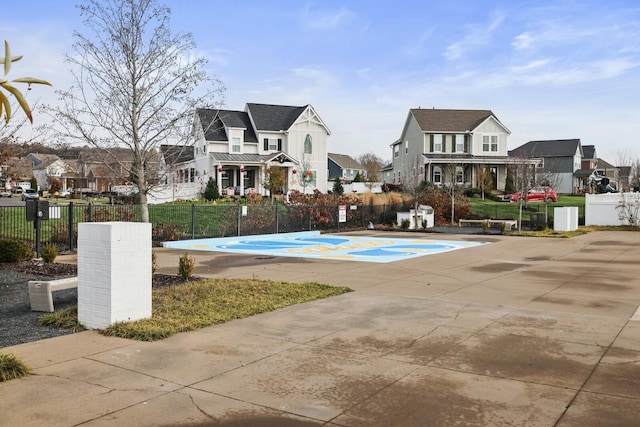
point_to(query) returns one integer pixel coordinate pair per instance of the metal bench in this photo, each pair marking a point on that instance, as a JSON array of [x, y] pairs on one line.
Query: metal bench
[[40, 292]]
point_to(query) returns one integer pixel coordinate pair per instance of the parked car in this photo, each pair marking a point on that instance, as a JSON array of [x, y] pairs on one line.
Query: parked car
[[536, 194], [30, 194], [16, 190], [64, 193], [5, 193]]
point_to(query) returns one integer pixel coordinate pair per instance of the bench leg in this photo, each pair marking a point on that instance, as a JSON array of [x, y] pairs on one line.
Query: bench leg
[[40, 296]]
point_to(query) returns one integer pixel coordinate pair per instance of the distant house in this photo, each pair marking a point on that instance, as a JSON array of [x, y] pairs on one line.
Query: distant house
[[47, 167], [238, 148], [16, 172], [561, 161], [387, 173], [344, 167], [451, 146]]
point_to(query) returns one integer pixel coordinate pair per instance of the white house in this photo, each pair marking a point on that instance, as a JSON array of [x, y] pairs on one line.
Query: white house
[[444, 146], [237, 148]]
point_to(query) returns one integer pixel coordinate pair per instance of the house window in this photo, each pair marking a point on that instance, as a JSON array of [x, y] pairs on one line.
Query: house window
[[490, 143], [273, 144], [406, 147], [459, 175], [308, 149], [437, 175], [396, 151], [459, 143], [437, 143], [235, 145], [224, 177], [413, 171]]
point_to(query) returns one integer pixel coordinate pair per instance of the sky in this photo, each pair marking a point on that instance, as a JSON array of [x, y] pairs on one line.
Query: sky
[[546, 69]]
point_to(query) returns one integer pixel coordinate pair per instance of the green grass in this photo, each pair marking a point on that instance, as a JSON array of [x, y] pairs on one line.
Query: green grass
[[11, 367], [506, 210], [194, 305]]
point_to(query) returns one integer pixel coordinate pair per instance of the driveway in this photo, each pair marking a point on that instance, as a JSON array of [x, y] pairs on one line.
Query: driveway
[[520, 331]]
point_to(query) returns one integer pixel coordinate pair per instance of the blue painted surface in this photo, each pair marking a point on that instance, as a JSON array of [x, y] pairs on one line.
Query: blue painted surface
[[312, 244]]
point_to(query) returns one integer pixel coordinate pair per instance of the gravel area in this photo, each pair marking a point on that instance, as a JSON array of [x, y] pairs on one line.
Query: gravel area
[[18, 324]]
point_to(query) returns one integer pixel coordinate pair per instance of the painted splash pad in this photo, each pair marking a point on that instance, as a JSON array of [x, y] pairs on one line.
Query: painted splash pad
[[312, 244]]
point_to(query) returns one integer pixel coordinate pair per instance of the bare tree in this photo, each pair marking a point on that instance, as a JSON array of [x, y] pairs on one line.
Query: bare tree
[[372, 165], [305, 171], [136, 85], [523, 172], [414, 184]]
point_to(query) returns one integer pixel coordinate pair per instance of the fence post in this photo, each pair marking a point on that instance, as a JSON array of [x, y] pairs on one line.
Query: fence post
[[384, 213], [70, 225], [310, 209], [277, 221], [193, 220], [89, 213], [239, 216]]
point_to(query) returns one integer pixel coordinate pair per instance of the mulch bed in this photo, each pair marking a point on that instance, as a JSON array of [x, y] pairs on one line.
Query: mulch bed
[[18, 324]]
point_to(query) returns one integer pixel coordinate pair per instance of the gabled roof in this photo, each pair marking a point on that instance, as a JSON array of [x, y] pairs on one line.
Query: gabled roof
[[18, 168], [41, 161], [251, 158], [177, 153], [602, 164], [214, 123], [344, 161], [274, 118], [548, 148], [588, 152], [437, 120]]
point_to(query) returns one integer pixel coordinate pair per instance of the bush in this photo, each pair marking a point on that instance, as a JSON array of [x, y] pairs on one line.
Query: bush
[[14, 251], [154, 263], [165, 232], [186, 266], [405, 224], [49, 253], [11, 367]]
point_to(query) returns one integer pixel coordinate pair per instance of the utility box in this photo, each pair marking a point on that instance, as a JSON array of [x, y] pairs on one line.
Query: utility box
[[37, 209], [565, 219], [425, 215], [114, 273]]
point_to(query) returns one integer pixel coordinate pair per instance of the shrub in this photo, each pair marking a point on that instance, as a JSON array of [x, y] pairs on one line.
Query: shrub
[[14, 251], [485, 226], [186, 266], [165, 231], [154, 262], [405, 224], [11, 367], [49, 253]]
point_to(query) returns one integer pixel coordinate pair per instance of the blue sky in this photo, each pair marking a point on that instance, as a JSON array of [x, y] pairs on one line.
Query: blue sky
[[547, 69]]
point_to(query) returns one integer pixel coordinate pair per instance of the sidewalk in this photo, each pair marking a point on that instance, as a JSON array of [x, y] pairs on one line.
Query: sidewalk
[[523, 331]]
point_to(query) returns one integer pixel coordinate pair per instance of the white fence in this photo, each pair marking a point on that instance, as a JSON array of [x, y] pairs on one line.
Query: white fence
[[605, 209]]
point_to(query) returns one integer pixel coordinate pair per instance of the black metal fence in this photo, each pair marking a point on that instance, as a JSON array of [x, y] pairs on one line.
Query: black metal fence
[[190, 221]]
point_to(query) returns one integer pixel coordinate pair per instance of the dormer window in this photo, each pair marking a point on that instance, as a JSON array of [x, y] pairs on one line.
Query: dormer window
[[235, 145]]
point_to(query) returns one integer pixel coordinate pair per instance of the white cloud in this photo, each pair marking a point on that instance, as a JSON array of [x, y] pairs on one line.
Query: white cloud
[[326, 19], [477, 35]]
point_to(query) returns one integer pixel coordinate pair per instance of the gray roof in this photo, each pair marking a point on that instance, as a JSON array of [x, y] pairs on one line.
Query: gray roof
[[249, 158], [177, 153], [274, 117], [588, 151], [548, 148], [437, 120], [214, 122], [344, 161]]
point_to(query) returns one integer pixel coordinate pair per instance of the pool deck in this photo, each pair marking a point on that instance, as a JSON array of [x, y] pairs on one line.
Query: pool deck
[[521, 331]]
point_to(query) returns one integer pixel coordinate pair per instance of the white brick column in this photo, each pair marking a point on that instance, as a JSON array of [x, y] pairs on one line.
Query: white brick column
[[114, 273]]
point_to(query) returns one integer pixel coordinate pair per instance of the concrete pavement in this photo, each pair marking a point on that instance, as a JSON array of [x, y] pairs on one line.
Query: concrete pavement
[[524, 331]]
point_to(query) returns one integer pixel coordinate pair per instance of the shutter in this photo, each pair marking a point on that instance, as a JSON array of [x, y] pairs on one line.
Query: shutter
[[454, 143], [444, 143], [466, 143], [431, 145], [266, 144], [279, 144]]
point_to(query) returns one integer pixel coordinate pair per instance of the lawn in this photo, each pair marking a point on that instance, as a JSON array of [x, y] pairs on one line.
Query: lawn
[[507, 210], [197, 304]]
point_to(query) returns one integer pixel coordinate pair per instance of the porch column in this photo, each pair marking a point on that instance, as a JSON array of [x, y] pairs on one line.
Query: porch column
[[242, 172], [219, 179]]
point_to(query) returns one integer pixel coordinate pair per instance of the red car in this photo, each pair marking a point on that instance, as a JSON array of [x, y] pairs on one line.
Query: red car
[[536, 194]]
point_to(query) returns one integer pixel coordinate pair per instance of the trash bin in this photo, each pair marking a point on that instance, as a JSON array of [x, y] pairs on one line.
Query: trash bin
[[538, 221]]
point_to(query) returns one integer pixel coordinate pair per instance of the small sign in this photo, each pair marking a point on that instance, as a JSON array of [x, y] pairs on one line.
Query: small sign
[[244, 210], [342, 213]]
